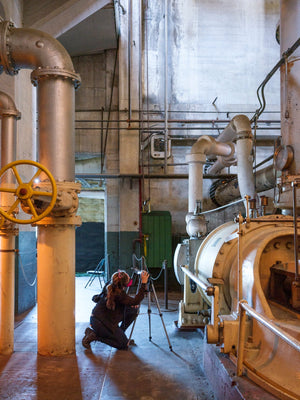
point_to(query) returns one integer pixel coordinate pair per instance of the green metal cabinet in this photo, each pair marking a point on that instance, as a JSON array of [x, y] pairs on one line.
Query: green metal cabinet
[[157, 226]]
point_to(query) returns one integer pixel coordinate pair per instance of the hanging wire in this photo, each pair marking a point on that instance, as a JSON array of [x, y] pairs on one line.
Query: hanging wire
[[142, 263], [23, 271], [159, 274]]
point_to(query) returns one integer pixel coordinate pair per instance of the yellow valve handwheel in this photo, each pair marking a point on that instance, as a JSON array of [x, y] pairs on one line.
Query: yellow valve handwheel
[[25, 192]]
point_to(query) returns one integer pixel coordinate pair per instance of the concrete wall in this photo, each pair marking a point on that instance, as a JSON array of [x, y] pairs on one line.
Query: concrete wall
[[218, 51], [201, 60]]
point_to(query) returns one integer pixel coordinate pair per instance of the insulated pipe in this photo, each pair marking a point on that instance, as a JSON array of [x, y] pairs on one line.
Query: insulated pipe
[[240, 130], [245, 166], [228, 192], [9, 115], [204, 146], [55, 80], [240, 123]]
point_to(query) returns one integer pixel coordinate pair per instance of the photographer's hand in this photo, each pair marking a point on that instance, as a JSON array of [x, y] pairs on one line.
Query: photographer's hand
[[144, 276]]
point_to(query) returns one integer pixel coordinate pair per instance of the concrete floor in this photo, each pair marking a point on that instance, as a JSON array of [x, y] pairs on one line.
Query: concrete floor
[[149, 371]]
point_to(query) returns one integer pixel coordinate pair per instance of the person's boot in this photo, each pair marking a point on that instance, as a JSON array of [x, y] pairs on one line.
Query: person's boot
[[89, 336]]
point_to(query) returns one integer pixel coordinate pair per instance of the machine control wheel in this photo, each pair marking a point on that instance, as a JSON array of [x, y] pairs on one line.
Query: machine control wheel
[[26, 193]]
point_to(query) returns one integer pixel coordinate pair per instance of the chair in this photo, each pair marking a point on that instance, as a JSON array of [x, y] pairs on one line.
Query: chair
[[97, 272]]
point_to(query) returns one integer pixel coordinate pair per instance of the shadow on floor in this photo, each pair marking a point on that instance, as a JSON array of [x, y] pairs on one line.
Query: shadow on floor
[[148, 371]]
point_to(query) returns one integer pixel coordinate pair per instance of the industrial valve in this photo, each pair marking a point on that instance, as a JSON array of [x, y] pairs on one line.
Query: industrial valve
[[15, 191]]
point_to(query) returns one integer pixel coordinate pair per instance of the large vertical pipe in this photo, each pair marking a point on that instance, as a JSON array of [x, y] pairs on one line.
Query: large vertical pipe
[[195, 162], [244, 146], [290, 80], [9, 116], [55, 79], [56, 119], [56, 244]]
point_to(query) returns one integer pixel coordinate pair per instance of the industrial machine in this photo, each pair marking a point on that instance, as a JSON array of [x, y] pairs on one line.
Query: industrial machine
[[242, 279]]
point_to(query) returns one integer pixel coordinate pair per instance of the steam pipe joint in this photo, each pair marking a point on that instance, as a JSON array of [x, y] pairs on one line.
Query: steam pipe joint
[[7, 107], [34, 49]]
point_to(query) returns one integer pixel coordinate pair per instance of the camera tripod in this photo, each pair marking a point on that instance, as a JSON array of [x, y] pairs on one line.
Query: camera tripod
[[150, 288]]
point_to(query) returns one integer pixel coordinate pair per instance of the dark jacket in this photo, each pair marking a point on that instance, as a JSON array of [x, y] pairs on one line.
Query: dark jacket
[[111, 318]]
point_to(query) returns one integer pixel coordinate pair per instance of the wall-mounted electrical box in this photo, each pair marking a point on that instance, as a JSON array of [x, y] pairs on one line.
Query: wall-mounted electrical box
[[158, 146]]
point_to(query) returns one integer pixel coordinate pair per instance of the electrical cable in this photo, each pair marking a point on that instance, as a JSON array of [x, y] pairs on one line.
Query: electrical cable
[[262, 100]]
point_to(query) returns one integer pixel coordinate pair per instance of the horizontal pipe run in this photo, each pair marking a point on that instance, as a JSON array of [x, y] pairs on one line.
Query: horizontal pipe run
[[150, 176], [203, 285], [271, 326], [176, 121], [179, 111], [175, 128]]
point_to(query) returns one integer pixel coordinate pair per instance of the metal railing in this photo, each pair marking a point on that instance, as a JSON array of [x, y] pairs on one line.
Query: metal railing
[[245, 308]]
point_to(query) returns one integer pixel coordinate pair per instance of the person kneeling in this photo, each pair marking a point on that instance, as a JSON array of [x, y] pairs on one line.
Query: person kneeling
[[113, 307]]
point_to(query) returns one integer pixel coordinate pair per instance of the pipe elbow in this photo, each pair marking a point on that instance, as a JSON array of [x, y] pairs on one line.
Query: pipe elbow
[[241, 125], [203, 145], [33, 49], [208, 145], [7, 106]]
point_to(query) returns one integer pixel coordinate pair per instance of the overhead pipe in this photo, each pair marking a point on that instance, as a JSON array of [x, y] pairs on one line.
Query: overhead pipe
[[9, 115], [53, 75]]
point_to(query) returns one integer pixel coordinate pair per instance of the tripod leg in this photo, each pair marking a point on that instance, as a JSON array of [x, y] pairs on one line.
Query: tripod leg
[[133, 277], [132, 328], [160, 314], [149, 314]]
